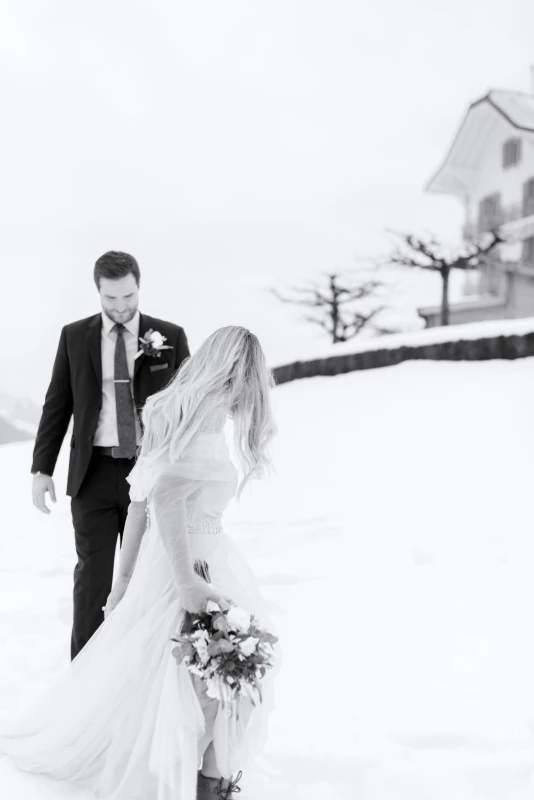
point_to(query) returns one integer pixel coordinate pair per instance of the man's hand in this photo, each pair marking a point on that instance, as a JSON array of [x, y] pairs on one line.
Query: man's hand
[[42, 484]]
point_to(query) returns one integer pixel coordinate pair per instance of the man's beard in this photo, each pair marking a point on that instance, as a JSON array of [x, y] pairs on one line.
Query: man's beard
[[124, 318]]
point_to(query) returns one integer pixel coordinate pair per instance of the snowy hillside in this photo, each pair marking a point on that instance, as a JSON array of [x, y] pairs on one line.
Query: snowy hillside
[[14, 431], [20, 408], [395, 541], [419, 338], [19, 418]]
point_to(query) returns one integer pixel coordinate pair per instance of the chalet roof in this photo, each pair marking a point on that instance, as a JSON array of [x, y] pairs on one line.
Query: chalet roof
[[516, 107], [459, 167]]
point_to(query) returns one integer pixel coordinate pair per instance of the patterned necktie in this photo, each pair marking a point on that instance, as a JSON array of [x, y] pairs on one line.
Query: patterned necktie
[[123, 400]]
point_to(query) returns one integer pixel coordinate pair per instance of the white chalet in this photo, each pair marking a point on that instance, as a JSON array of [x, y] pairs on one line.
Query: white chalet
[[490, 169]]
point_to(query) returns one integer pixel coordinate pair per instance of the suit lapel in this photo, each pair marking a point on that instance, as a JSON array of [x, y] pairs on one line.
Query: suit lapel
[[142, 384], [139, 379], [94, 345], [143, 327]]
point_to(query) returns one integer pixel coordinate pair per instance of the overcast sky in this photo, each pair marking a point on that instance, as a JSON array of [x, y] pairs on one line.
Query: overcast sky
[[225, 144]]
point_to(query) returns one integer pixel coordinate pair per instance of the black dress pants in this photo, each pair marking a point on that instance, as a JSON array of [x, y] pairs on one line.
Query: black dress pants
[[98, 512]]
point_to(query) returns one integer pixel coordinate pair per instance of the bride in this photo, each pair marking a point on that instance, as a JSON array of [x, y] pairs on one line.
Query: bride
[[125, 720]]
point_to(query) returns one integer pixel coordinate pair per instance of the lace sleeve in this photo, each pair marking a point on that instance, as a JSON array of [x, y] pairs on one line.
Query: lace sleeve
[[170, 513], [206, 460], [134, 530]]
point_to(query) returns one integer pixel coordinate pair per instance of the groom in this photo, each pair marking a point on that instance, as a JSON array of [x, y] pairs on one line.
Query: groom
[[98, 379]]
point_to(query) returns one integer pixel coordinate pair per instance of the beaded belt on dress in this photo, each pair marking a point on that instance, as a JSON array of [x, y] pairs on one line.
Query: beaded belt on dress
[[206, 525]]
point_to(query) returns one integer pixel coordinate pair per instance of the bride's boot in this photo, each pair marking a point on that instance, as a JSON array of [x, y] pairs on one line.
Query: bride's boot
[[217, 788]]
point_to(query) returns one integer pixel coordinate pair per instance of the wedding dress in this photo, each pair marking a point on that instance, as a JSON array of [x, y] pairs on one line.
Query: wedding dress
[[124, 720]]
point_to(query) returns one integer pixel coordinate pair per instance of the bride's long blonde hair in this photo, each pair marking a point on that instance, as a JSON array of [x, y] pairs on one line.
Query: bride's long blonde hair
[[227, 375]]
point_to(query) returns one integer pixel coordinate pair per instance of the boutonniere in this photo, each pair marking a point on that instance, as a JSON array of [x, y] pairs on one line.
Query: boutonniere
[[152, 343]]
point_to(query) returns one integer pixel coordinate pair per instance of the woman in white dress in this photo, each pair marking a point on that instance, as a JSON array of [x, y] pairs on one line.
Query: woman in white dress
[[125, 721]]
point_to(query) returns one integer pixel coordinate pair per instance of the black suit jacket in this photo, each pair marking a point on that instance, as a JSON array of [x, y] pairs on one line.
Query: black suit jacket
[[76, 389]]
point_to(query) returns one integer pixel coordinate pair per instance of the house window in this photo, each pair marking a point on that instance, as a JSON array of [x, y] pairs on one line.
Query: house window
[[511, 153], [528, 198], [489, 213], [527, 256]]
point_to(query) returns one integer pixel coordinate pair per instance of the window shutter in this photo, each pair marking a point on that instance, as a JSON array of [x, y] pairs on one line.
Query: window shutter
[[511, 153], [528, 198], [489, 214], [528, 252]]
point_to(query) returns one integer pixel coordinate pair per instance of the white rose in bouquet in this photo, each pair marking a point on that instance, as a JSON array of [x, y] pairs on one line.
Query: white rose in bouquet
[[238, 619], [248, 646]]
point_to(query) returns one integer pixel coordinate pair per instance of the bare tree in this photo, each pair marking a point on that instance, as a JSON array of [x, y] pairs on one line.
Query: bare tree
[[331, 308], [429, 254]]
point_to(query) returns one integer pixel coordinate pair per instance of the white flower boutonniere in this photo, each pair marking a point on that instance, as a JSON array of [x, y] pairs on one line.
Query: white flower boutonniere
[[152, 343]]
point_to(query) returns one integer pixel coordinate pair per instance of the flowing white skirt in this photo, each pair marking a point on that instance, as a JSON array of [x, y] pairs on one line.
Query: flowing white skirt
[[124, 720]]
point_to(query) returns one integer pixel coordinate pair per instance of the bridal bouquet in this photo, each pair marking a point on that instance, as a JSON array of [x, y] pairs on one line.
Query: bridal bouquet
[[227, 649]]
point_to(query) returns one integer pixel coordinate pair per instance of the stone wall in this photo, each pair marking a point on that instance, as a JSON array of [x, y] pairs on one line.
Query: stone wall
[[505, 347]]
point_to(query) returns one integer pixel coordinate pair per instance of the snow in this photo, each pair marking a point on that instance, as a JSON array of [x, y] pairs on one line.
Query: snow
[[17, 419], [20, 409], [426, 336], [395, 542], [13, 431]]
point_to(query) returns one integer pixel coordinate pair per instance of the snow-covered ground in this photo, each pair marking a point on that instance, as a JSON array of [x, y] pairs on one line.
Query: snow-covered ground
[[396, 542], [419, 338]]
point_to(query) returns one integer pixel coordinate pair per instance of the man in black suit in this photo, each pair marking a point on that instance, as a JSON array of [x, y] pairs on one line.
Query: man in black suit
[[100, 378]]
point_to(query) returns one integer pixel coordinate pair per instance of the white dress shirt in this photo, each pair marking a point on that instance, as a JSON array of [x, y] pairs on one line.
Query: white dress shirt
[[107, 434]]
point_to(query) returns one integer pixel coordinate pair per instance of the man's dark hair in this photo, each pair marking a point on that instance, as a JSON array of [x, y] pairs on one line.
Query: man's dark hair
[[114, 265]]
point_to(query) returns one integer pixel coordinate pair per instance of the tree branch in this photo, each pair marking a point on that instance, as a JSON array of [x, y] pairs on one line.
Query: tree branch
[[479, 253], [429, 250], [338, 319], [318, 300]]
